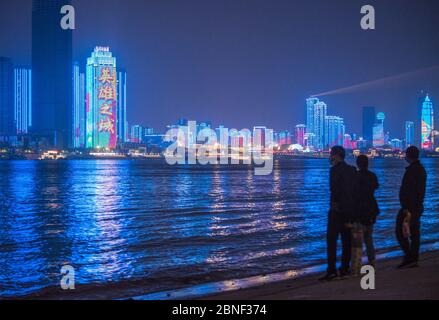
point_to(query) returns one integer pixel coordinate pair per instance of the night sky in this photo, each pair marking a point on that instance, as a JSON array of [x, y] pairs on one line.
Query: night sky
[[253, 62]]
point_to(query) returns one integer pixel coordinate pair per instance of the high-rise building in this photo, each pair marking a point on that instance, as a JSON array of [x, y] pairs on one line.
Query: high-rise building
[[396, 144], [7, 125], [122, 122], [409, 134], [347, 142], [137, 134], [300, 134], [316, 112], [101, 100], [369, 116], [379, 138], [285, 138], [334, 131], [51, 74], [23, 99], [79, 119], [427, 124]]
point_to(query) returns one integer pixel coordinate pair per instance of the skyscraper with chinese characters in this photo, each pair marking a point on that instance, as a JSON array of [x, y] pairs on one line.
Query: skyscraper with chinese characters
[[122, 122], [409, 134], [78, 107], [316, 112], [23, 99], [101, 100], [7, 126], [427, 124], [51, 74], [334, 131]]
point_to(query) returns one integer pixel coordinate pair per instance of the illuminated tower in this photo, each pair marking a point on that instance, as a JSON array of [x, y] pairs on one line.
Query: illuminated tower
[[378, 131], [316, 111], [334, 131], [51, 74], [23, 99], [7, 126], [369, 116], [300, 134], [122, 123], [427, 124], [101, 100], [78, 107], [409, 134]]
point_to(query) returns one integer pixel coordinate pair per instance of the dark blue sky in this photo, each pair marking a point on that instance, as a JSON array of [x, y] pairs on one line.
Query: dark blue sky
[[253, 62]]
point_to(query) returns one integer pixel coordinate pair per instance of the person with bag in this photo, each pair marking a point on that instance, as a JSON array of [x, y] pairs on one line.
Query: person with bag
[[366, 214]]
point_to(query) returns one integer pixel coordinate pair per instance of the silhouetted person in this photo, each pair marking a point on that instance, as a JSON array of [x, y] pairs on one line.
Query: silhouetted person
[[342, 185], [411, 197], [367, 208]]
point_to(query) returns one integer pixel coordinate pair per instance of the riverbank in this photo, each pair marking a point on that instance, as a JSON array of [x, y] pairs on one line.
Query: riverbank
[[420, 283]]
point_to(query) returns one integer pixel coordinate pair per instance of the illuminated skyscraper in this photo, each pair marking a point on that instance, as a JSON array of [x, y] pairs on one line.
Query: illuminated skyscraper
[[136, 134], [285, 138], [409, 134], [122, 122], [378, 131], [396, 144], [23, 99], [101, 100], [347, 142], [51, 74], [427, 124], [316, 112], [334, 131], [7, 126], [79, 120], [369, 116], [300, 134]]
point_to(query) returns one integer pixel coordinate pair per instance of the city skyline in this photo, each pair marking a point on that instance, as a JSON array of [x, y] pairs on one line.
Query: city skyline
[[321, 132], [203, 84]]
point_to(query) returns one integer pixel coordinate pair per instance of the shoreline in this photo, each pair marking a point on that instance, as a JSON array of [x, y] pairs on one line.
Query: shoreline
[[421, 283], [283, 285]]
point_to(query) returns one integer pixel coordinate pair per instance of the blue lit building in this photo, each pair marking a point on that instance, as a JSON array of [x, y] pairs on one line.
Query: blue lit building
[[379, 138], [396, 144], [136, 134], [334, 131], [7, 126], [369, 116], [409, 134], [316, 112], [51, 74], [427, 125], [122, 122], [79, 119], [101, 100], [23, 99]]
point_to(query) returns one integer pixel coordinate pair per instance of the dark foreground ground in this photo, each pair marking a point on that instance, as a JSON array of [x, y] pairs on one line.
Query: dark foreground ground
[[391, 284], [420, 283]]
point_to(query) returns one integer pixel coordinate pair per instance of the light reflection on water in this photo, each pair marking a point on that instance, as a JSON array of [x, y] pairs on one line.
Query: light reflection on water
[[122, 220]]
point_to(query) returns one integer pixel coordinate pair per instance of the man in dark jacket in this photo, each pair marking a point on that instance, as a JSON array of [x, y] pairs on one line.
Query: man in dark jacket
[[411, 196], [342, 206]]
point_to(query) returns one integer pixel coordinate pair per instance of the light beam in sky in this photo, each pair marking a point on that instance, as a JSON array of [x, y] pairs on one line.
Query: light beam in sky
[[380, 82]]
